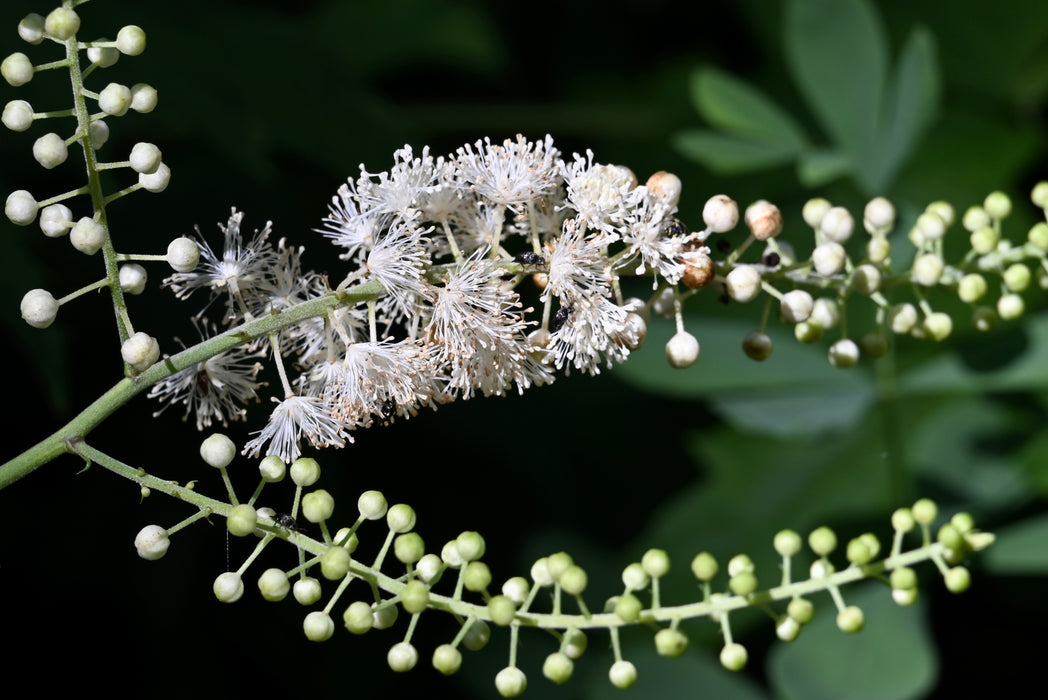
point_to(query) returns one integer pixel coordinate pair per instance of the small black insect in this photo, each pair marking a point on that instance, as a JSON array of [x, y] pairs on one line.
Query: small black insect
[[724, 299], [560, 318], [529, 258], [286, 521], [723, 245], [772, 260], [388, 410], [675, 227]]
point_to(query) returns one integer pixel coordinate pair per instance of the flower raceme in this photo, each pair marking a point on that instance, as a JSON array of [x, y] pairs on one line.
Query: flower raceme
[[451, 240]]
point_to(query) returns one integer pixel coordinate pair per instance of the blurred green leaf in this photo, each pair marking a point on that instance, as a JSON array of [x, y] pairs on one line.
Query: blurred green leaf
[[742, 110], [910, 104], [837, 55], [729, 155], [892, 658], [820, 166], [1021, 548]]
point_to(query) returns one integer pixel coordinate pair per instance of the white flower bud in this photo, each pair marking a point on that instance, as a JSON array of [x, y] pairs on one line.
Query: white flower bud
[[837, 224], [62, 23], [622, 674], [937, 326], [183, 254], [971, 288], [743, 283], [878, 249], [217, 450], [145, 158], [228, 587], [156, 181], [927, 269], [666, 186], [56, 220], [307, 590], [825, 313], [18, 115], [273, 584], [143, 98], [866, 279], [944, 210], [31, 28], [402, 656], [1010, 306], [682, 350], [318, 626], [21, 208], [879, 216], [115, 99], [131, 40], [930, 226], [152, 542], [764, 220], [902, 318], [510, 682], [844, 354], [133, 278], [140, 351], [39, 308], [99, 132], [814, 210], [796, 306], [721, 213], [974, 219], [87, 235], [50, 150], [104, 57], [828, 258], [997, 205], [17, 69]]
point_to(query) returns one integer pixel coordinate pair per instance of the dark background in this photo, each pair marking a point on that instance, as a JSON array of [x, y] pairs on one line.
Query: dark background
[[268, 107]]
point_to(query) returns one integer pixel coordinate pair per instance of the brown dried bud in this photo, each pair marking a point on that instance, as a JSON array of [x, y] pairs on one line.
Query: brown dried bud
[[666, 186], [541, 279], [764, 220], [698, 272]]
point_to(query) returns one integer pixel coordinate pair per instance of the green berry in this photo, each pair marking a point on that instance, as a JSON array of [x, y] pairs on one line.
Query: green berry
[[274, 585], [334, 563], [447, 659], [317, 506], [670, 642], [925, 511], [409, 548], [415, 597], [305, 471], [734, 657], [628, 607], [622, 674], [958, 579], [502, 610], [402, 657], [401, 518], [358, 617], [704, 566], [476, 576], [801, 610], [822, 541], [558, 667], [757, 346], [318, 626], [656, 563], [511, 682], [241, 520], [850, 619]]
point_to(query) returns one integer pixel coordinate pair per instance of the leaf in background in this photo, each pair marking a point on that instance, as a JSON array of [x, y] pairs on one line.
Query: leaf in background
[[1020, 549], [730, 155], [819, 166], [892, 658], [736, 107], [837, 54], [910, 104]]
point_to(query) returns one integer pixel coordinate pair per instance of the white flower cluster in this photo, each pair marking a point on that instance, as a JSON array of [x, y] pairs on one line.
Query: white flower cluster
[[449, 239]]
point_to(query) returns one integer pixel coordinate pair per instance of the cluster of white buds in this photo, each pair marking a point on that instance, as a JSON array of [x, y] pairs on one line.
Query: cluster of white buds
[[88, 232]]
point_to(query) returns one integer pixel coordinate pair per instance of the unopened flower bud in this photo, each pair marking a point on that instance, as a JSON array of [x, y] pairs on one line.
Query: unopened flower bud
[[997, 205], [156, 181], [757, 346], [938, 325], [682, 350], [183, 254], [720, 214], [143, 98], [796, 306], [828, 258], [17, 69], [18, 115], [87, 235], [698, 270], [39, 308], [56, 220], [21, 208], [1010, 306], [764, 220], [666, 186], [145, 158], [879, 216], [152, 542], [132, 278], [927, 269], [103, 57], [878, 249], [115, 99], [140, 351], [844, 354], [814, 210], [131, 40], [743, 283], [217, 450], [866, 279], [930, 226], [837, 225], [31, 28]]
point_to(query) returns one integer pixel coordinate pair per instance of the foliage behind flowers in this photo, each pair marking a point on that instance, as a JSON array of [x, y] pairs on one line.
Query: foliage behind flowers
[[533, 289]]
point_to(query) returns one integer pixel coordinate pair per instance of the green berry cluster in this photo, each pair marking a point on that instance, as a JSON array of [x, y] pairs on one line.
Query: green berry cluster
[[408, 577]]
